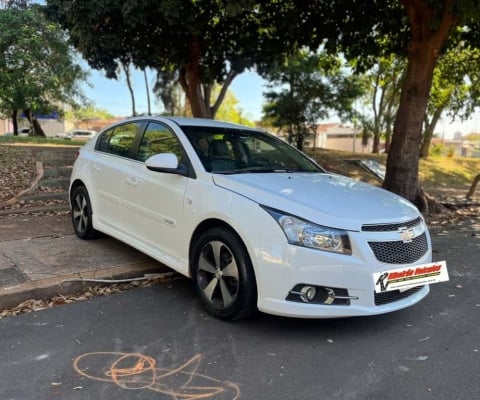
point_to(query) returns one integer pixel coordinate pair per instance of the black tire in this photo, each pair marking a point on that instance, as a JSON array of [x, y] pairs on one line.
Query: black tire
[[82, 213], [223, 275]]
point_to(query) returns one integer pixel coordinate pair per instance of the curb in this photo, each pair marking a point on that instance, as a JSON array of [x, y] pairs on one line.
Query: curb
[[42, 289]]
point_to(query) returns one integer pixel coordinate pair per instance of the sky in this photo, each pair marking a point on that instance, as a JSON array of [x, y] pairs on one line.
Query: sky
[[113, 95]]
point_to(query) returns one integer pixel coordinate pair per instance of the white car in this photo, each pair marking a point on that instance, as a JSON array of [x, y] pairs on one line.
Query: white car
[[20, 132], [255, 223], [79, 134]]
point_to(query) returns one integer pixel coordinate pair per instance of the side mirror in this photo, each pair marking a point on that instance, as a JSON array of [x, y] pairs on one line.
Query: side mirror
[[166, 163]]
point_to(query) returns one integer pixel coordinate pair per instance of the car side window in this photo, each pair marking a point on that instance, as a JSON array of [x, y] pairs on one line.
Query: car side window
[[158, 139], [118, 140]]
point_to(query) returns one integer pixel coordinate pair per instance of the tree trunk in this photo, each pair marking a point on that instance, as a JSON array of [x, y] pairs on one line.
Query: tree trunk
[[423, 50], [471, 192], [15, 122], [37, 129], [149, 108], [126, 69], [376, 141], [428, 134], [198, 94], [377, 114], [402, 161], [190, 81], [388, 138]]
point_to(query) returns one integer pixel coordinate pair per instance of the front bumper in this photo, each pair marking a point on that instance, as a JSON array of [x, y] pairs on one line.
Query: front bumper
[[282, 268]]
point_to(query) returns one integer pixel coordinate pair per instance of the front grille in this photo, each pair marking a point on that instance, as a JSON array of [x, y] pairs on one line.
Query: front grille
[[398, 252], [394, 295], [391, 227]]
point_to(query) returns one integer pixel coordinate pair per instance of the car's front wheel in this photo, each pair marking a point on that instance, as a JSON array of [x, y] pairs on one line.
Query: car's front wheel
[[223, 275], [82, 213]]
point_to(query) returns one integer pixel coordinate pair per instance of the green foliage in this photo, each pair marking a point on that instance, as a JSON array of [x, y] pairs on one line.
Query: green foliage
[[456, 80], [473, 137], [231, 112], [202, 42], [87, 113], [307, 88], [212, 41], [382, 95], [24, 140], [38, 71], [440, 150]]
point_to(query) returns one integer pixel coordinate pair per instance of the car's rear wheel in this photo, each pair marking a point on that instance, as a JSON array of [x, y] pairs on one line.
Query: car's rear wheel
[[223, 275], [82, 213]]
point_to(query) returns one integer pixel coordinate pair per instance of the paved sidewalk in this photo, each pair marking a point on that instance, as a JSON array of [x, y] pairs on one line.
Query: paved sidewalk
[[40, 256]]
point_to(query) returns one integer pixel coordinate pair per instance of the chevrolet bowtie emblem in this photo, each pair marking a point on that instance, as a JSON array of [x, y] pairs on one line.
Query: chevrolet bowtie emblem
[[406, 235]]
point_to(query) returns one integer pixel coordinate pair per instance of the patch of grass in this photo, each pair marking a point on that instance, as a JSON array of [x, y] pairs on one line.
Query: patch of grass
[[449, 172], [435, 173], [26, 140]]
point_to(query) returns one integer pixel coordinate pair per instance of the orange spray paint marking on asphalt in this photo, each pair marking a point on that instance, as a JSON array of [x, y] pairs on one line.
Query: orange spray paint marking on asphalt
[[136, 371]]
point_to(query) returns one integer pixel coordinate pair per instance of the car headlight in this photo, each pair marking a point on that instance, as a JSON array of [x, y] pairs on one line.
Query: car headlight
[[307, 234]]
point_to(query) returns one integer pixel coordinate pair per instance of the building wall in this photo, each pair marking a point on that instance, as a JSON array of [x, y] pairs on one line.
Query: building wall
[[4, 126], [52, 127], [347, 144], [339, 137]]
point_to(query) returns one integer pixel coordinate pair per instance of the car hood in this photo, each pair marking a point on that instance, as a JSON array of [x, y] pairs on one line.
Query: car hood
[[326, 199]]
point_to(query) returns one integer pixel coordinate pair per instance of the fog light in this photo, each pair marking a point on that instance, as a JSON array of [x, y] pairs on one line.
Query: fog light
[[308, 293]]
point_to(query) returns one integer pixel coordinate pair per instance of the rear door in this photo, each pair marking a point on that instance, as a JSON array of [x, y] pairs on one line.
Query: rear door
[[110, 169]]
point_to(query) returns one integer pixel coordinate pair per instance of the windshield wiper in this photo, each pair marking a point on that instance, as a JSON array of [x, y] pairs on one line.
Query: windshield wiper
[[256, 170], [244, 171]]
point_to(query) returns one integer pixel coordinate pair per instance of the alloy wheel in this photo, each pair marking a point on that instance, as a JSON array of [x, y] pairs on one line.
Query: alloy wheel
[[218, 274]]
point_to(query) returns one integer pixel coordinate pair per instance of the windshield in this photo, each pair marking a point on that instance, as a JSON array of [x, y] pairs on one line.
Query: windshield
[[242, 151]]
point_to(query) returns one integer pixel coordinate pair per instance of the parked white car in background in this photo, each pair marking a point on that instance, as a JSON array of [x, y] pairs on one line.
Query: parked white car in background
[[21, 132], [78, 134], [255, 223]]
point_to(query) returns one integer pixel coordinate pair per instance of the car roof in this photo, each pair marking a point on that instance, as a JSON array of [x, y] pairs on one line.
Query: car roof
[[185, 121]]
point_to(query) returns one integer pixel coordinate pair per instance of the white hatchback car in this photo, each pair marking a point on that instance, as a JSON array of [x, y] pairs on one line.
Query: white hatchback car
[[255, 223]]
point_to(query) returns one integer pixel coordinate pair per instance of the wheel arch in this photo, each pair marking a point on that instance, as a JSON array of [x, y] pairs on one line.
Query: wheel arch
[[76, 183], [210, 224]]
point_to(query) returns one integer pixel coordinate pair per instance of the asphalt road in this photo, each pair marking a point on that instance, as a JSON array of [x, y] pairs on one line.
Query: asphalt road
[[157, 343]]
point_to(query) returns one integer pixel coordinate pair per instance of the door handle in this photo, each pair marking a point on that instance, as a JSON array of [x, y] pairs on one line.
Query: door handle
[[132, 181]]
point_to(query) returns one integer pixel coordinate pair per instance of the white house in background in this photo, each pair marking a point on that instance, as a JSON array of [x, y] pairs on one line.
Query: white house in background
[[338, 136]]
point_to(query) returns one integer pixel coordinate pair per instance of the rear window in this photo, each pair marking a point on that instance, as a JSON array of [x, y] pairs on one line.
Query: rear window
[[118, 140]]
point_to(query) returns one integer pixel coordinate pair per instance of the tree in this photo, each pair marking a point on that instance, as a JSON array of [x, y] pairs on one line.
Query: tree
[[420, 30], [203, 42], [38, 72], [208, 41], [473, 137], [168, 90], [306, 88], [454, 89], [86, 113], [147, 89], [230, 111], [126, 69], [431, 24], [383, 95]]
